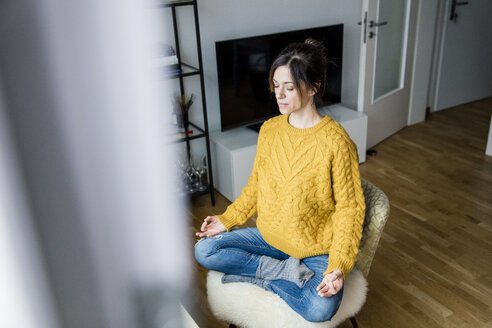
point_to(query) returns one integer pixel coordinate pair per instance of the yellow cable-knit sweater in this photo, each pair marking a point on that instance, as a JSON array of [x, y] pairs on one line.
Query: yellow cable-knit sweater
[[306, 189]]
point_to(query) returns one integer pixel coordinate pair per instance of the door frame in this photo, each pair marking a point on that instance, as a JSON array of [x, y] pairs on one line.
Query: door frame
[[441, 22]]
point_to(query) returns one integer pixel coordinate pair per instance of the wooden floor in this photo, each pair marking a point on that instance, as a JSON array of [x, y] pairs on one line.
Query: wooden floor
[[434, 264]]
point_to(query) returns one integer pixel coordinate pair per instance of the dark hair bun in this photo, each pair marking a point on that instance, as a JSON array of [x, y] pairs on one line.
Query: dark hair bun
[[315, 43]]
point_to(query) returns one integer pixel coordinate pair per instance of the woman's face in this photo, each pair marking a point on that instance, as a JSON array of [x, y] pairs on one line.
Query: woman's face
[[289, 98]]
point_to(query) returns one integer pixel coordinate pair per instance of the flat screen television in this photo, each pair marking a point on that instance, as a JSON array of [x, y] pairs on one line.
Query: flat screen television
[[243, 66]]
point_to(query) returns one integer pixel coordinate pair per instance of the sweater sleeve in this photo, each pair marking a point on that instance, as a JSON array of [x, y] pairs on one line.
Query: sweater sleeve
[[349, 207], [244, 207]]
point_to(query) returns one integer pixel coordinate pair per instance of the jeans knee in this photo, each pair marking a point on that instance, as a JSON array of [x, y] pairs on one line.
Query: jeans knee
[[201, 252], [321, 309], [204, 251]]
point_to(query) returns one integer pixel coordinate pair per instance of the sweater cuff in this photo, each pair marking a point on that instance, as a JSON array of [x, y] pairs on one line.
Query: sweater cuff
[[342, 264], [228, 224]]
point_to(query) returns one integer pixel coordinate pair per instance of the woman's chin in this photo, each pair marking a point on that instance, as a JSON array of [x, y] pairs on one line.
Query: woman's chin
[[283, 110]]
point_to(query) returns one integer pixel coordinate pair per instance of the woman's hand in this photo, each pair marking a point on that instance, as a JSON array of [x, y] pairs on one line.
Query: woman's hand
[[331, 284], [211, 226]]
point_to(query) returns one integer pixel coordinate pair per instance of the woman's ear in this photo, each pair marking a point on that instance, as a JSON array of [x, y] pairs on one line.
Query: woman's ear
[[314, 89]]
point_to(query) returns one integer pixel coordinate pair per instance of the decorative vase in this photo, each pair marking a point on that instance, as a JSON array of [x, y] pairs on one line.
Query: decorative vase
[[182, 120]]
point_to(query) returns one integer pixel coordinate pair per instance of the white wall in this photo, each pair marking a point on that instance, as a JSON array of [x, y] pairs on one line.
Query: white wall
[[230, 19]]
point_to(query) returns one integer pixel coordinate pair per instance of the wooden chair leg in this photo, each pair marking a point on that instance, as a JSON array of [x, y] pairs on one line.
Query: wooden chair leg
[[354, 322]]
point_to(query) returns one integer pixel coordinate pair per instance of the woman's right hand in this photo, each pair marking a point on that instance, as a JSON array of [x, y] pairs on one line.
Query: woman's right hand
[[211, 226]]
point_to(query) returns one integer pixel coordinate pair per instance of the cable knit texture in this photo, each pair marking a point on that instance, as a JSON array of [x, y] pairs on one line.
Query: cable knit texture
[[306, 189]]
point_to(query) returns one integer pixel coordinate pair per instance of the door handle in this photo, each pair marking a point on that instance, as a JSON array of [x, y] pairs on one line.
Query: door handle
[[365, 25], [454, 15], [373, 24]]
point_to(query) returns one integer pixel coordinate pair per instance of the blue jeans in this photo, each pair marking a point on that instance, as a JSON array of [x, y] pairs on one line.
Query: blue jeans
[[238, 252]]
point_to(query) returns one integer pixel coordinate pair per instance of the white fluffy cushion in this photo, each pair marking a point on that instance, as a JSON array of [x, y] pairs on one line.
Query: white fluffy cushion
[[249, 306]]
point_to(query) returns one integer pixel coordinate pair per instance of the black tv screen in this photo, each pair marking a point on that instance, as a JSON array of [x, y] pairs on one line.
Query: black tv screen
[[243, 66]]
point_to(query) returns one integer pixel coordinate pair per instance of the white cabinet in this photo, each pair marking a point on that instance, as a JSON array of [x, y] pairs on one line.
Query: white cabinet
[[354, 122], [233, 152]]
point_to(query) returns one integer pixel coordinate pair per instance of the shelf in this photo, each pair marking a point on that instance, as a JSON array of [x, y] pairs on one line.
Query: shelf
[[174, 3], [196, 193], [186, 70], [180, 136]]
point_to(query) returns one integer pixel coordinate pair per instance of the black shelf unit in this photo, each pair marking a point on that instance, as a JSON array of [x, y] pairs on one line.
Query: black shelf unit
[[188, 70]]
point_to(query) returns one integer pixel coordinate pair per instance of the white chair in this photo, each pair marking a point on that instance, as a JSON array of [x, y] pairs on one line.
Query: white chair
[[249, 306]]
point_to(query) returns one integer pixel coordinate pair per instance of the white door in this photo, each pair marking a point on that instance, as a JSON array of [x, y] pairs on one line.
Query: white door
[[464, 71], [388, 33]]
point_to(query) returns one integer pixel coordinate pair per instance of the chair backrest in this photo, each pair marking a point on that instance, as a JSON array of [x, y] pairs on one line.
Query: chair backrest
[[377, 213]]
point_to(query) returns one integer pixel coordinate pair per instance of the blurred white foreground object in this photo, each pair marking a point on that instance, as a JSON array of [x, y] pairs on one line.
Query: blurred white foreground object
[[94, 196]]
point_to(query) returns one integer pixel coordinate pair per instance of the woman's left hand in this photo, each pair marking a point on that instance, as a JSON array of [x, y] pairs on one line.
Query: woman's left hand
[[331, 284]]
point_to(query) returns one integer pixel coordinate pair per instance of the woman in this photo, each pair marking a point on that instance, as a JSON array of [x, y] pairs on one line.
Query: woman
[[305, 188]]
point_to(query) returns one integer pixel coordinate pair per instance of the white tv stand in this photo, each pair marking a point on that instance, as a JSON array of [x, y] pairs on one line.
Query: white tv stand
[[233, 152]]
